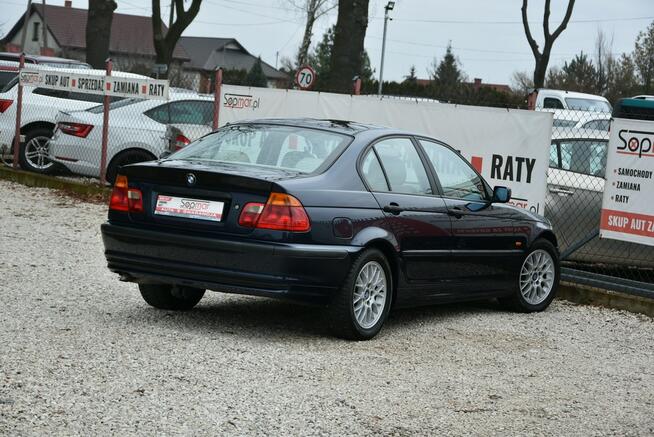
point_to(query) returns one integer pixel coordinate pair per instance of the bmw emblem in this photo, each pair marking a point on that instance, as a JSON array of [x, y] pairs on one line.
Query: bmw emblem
[[190, 179]]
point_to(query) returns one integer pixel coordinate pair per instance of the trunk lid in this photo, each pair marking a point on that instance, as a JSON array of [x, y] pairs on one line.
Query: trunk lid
[[231, 184]]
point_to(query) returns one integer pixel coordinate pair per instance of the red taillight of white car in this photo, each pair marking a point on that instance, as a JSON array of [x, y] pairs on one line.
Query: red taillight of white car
[[125, 199], [5, 104], [75, 129], [181, 141], [282, 212]]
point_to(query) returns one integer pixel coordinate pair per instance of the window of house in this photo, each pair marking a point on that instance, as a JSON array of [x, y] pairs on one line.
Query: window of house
[[35, 31]]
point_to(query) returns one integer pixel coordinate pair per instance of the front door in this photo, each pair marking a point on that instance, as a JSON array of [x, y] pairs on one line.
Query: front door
[[488, 240]]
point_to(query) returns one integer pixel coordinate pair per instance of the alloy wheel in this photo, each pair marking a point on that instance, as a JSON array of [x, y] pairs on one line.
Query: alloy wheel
[[37, 153], [537, 277], [370, 294]]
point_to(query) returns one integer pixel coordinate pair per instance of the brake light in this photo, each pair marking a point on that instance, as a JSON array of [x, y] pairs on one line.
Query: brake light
[[75, 129], [180, 142], [5, 104], [125, 199], [282, 212]]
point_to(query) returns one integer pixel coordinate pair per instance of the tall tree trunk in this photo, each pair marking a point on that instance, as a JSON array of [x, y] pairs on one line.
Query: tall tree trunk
[[165, 41], [543, 58], [347, 54], [98, 31], [308, 33]]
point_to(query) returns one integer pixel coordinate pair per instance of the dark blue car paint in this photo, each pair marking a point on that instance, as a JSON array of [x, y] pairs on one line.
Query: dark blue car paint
[[440, 249]]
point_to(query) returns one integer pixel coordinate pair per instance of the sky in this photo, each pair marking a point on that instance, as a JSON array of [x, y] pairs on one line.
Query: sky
[[486, 35]]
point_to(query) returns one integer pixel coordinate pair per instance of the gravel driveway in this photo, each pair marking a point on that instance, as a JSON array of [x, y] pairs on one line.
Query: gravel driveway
[[81, 353]]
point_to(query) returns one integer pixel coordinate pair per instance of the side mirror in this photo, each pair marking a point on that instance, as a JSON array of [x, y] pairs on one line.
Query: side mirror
[[165, 154], [501, 195]]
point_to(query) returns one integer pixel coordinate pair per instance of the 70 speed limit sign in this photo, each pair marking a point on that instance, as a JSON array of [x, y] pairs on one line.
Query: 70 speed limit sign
[[305, 77]]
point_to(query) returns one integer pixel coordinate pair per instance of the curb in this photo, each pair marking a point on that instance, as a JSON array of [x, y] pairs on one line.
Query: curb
[[604, 298], [76, 189]]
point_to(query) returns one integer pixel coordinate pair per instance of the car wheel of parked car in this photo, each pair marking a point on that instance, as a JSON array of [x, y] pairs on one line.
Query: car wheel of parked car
[[34, 152], [360, 308], [125, 158], [171, 297], [538, 280]]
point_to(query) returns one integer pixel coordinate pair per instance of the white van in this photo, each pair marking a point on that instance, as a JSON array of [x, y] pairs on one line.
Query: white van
[[551, 100]]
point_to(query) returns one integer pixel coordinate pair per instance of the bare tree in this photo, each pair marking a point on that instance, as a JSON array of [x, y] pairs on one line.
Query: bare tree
[[98, 31], [313, 10], [164, 45], [542, 58], [521, 82], [604, 60]]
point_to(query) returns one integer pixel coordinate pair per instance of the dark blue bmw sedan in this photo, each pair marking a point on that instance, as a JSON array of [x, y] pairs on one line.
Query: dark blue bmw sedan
[[358, 218]]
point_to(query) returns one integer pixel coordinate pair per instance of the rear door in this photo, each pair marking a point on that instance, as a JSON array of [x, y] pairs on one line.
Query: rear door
[[487, 239], [396, 175]]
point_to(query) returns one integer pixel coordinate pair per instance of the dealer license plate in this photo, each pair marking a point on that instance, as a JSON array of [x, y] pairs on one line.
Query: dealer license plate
[[189, 208]]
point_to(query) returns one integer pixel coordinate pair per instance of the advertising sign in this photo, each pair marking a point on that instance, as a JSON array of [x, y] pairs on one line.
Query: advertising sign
[[96, 84], [508, 147], [628, 204]]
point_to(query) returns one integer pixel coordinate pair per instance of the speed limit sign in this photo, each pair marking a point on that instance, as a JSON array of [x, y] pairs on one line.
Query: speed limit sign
[[305, 77]]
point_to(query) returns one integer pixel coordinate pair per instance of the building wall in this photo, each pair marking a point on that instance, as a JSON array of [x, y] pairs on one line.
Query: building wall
[[33, 46]]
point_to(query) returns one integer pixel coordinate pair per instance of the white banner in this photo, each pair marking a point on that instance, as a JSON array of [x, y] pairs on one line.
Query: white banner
[[508, 147], [95, 84], [627, 205]]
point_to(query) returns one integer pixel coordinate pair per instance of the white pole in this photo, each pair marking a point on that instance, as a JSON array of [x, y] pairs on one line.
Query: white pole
[[381, 67]]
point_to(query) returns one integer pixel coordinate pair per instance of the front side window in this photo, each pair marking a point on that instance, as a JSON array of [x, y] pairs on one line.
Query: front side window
[[403, 167], [552, 103], [584, 156], [597, 125], [458, 180], [554, 155], [298, 149]]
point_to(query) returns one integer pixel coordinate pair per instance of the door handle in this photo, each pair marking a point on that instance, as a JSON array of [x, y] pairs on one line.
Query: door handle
[[393, 208], [455, 211], [561, 191]]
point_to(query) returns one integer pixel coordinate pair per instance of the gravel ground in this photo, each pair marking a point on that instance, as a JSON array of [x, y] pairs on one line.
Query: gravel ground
[[81, 353]]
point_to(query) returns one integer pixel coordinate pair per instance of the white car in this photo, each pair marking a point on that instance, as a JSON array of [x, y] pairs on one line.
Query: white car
[[137, 131], [40, 108]]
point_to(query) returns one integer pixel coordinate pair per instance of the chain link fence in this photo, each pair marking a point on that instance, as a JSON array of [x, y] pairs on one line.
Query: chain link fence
[[575, 185]]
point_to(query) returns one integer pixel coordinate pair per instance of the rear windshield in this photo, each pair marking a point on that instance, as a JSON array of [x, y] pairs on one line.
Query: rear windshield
[[285, 147]]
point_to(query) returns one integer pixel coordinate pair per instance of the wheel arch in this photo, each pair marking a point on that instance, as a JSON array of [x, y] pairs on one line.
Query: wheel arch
[[549, 236], [386, 248], [128, 150], [37, 125]]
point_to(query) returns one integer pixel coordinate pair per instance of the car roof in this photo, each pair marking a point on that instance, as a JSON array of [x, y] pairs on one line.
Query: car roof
[[40, 58], [573, 94], [581, 134], [341, 126]]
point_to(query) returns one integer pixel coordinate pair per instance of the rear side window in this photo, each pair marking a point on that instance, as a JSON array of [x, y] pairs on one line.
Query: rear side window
[[6, 77], [402, 166], [373, 173], [183, 112], [597, 125]]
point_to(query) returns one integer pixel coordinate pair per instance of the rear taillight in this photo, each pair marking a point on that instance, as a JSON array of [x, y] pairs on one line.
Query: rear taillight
[[125, 199], [5, 104], [75, 129], [180, 142], [282, 212]]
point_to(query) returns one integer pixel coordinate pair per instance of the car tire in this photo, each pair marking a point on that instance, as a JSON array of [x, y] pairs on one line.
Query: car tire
[[125, 158], [36, 140], [538, 279], [359, 296], [171, 297]]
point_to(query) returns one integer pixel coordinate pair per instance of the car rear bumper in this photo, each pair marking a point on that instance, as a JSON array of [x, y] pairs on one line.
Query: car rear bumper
[[304, 272]]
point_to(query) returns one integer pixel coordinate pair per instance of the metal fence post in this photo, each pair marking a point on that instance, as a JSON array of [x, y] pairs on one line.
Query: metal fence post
[[218, 84], [19, 110], [105, 129]]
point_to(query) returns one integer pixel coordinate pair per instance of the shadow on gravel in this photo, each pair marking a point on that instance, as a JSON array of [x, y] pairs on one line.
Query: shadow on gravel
[[272, 319]]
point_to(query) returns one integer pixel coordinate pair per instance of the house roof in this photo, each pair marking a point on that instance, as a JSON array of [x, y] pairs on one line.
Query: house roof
[[208, 53], [495, 86], [130, 34]]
